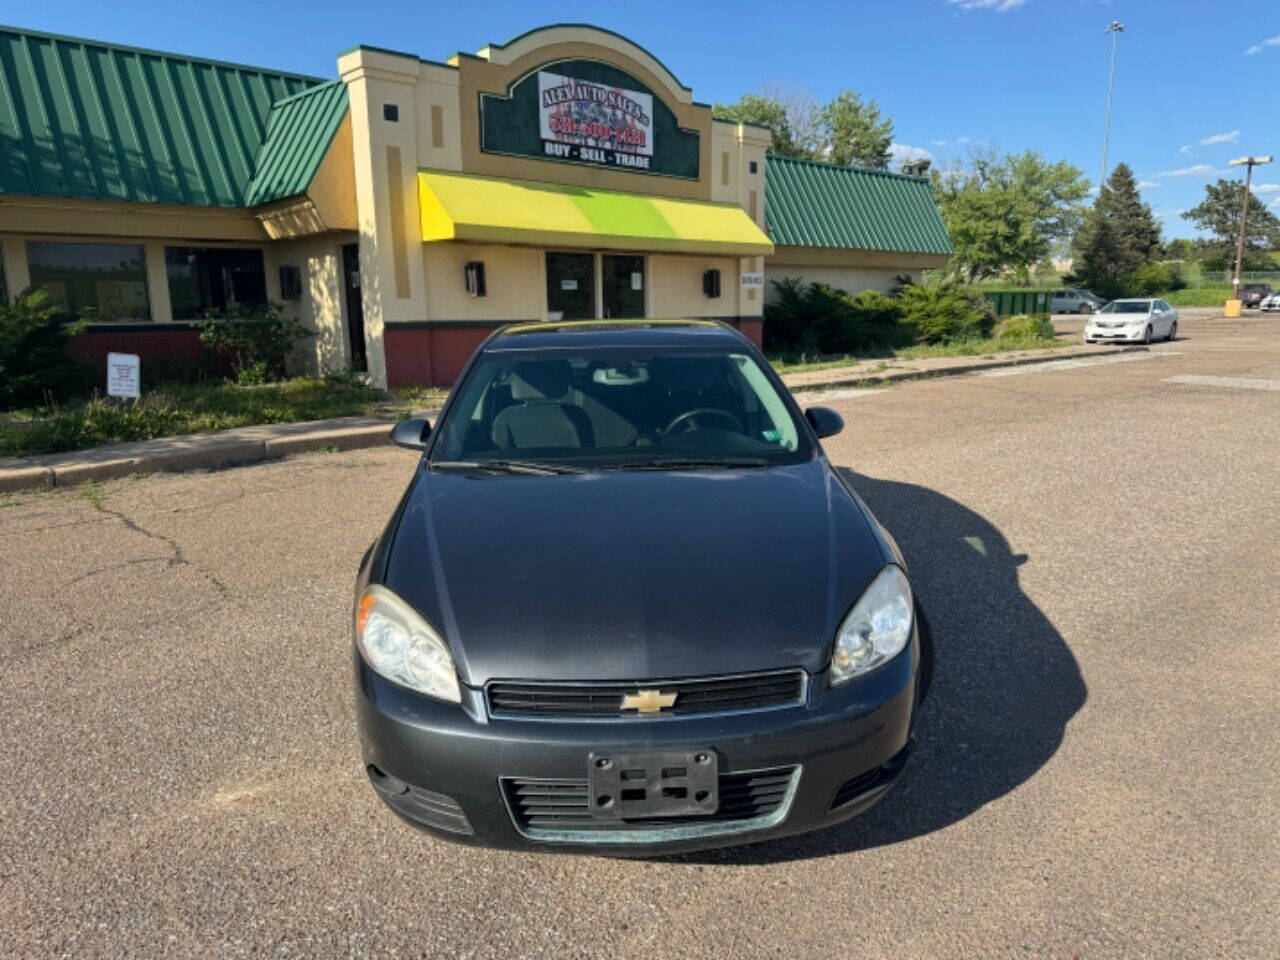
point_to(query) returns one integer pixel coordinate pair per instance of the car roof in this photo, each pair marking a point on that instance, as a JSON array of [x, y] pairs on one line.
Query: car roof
[[550, 335], [1136, 300]]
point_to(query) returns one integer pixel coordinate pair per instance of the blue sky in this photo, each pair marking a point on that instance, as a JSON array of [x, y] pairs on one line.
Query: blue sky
[[1196, 82]]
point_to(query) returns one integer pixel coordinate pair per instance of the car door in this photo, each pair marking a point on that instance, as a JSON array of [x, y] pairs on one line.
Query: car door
[[1059, 302], [1164, 319]]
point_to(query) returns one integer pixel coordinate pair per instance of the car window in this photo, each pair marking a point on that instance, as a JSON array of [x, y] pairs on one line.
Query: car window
[[608, 407], [1128, 306]]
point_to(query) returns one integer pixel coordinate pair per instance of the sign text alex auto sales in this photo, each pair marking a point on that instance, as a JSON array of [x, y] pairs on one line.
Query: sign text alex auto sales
[[594, 123]]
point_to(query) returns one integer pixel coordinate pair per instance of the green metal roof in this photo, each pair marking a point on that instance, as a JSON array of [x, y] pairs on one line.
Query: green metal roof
[[80, 118], [811, 204], [299, 131]]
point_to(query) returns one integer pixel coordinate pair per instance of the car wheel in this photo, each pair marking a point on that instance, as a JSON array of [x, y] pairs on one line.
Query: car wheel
[[1173, 331], [926, 652], [1084, 308], [1146, 334]]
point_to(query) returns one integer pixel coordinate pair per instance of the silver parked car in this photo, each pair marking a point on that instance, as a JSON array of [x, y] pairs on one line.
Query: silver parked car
[[1270, 303], [1072, 300], [1132, 321]]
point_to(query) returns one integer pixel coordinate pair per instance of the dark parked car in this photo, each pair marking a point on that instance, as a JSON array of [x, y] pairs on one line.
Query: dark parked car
[[627, 605], [1252, 294]]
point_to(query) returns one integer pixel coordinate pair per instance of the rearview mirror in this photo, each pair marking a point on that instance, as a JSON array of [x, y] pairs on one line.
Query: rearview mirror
[[412, 433], [825, 421]]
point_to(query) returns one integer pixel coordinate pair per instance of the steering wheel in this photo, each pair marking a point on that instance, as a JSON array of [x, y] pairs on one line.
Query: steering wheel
[[711, 412]]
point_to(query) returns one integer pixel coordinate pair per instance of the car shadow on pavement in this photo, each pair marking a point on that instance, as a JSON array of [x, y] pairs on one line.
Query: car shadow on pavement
[[1004, 687]]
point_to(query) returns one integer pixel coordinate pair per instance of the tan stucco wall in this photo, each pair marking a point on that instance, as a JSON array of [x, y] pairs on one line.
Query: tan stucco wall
[[119, 218], [675, 283], [322, 307], [515, 282]]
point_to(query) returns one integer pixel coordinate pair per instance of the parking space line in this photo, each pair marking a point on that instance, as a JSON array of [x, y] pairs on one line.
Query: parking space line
[[1238, 383], [1079, 363]]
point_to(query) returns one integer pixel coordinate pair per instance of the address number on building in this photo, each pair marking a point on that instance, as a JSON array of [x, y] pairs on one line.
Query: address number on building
[[753, 281]]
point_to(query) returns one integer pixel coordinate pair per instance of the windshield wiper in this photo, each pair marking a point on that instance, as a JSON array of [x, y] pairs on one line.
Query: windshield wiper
[[531, 468], [693, 463]]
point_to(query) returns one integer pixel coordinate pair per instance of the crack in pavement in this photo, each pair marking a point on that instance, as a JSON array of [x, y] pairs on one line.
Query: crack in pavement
[[177, 558]]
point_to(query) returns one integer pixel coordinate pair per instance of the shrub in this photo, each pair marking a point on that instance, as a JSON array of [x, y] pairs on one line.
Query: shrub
[[1024, 327], [34, 364], [945, 312], [815, 318], [256, 341]]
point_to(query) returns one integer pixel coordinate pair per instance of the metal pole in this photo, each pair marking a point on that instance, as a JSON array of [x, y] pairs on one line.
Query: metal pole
[[1244, 222], [1115, 30]]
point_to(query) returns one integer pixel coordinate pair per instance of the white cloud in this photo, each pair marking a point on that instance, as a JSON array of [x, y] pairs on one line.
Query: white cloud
[[1266, 188], [1259, 47], [1231, 136], [1147, 184], [999, 6], [1197, 170], [1185, 151], [900, 153]]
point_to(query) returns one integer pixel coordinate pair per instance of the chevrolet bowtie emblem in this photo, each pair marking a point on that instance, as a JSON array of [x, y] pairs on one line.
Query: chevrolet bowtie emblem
[[648, 701]]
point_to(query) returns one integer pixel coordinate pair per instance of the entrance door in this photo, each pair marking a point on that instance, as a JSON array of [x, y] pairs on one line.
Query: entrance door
[[355, 306], [622, 286], [571, 292]]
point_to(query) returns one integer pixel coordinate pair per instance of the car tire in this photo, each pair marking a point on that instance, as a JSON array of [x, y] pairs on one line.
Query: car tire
[[1146, 334], [1084, 309], [1173, 332], [925, 679]]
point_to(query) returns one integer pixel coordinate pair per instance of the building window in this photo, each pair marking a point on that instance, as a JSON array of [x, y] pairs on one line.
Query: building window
[[96, 281], [204, 280], [390, 113]]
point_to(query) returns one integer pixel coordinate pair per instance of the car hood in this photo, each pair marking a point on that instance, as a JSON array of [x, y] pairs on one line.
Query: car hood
[[634, 575]]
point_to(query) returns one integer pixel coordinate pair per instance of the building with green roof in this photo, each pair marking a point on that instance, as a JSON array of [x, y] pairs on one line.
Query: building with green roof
[[405, 208]]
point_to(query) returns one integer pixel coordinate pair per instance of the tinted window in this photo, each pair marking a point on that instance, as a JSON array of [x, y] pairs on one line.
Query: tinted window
[[205, 280], [97, 281], [617, 407], [1128, 306]]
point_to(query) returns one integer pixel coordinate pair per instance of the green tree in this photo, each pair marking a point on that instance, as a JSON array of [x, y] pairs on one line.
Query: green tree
[[769, 111], [856, 132], [1119, 235], [1006, 212], [1218, 215]]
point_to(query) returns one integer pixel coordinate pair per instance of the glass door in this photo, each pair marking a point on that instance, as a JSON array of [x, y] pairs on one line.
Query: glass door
[[622, 286], [571, 291]]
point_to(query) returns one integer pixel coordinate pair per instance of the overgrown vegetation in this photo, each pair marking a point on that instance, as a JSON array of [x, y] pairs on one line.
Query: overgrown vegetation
[[1023, 327], [817, 319], [187, 408], [255, 340], [847, 131], [34, 365]]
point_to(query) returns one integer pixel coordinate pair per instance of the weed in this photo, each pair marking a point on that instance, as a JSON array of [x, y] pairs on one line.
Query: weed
[[93, 493]]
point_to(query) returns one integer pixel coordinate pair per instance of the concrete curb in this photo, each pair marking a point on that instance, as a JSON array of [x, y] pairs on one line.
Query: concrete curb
[[842, 378], [193, 452], [242, 445]]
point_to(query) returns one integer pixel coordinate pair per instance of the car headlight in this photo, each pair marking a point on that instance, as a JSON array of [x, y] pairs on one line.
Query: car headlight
[[876, 629], [399, 644]]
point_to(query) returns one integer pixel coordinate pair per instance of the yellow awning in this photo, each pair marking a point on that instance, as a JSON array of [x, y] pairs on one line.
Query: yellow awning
[[459, 206]]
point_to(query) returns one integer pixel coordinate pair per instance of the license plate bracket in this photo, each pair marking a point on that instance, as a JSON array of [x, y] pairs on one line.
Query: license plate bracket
[[671, 783]]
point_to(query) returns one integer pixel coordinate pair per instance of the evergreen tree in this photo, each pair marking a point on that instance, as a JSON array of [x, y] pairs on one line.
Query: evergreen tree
[[1119, 235]]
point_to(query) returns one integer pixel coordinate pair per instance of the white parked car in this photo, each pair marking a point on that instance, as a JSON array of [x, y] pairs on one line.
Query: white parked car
[[1132, 321], [1270, 302]]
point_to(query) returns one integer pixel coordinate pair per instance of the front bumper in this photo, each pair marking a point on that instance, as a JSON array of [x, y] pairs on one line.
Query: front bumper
[[1120, 336], [449, 769]]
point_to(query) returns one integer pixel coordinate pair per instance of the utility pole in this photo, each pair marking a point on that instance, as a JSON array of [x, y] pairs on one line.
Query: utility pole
[[1115, 30], [1248, 163]]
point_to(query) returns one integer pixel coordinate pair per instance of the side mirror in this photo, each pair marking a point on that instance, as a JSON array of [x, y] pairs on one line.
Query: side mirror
[[412, 433], [825, 421]]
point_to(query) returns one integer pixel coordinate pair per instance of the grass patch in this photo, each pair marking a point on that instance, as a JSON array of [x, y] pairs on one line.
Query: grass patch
[[794, 363], [93, 493], [172, 409], [1214, 296]]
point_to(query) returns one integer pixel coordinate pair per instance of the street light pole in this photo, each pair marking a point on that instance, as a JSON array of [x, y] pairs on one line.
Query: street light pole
[[1248, 163], [1115, 30]]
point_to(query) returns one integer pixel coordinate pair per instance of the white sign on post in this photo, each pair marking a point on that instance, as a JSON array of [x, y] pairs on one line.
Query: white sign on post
[[124, 375], [752, 281]]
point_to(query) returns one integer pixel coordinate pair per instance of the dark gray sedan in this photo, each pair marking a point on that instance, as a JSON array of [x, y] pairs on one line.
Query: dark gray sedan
[[626, 605]]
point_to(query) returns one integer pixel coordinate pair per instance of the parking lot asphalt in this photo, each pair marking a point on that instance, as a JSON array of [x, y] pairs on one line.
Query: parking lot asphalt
[[1097, 544]]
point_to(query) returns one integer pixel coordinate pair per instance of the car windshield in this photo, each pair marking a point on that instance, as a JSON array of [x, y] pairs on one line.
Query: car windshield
[[1128, 306], [618, 408]]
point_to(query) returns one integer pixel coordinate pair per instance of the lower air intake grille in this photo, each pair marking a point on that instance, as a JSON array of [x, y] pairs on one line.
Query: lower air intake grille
[[563, 804], [760, 691]]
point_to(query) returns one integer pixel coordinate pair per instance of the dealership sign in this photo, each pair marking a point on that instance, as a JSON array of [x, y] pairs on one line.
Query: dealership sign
[[590, 113], [594, 123]]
